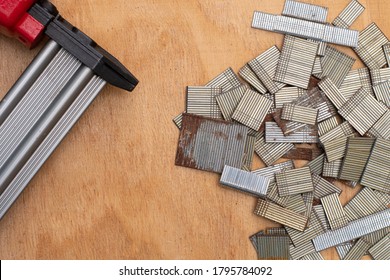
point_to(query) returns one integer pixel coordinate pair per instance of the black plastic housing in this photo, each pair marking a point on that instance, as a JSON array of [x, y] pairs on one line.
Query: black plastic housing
[[81, 46]]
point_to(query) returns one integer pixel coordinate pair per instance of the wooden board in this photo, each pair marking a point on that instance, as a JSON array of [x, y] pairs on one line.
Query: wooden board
[[112, 190]]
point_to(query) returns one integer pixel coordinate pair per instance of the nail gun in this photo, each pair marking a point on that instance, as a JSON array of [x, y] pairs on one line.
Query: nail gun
[[51, 94]]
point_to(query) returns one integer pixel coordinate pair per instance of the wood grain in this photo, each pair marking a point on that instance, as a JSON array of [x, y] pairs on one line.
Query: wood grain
[[111, 190]]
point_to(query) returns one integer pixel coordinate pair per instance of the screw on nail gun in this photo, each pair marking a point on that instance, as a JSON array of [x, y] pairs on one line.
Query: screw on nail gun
[[52, 93]]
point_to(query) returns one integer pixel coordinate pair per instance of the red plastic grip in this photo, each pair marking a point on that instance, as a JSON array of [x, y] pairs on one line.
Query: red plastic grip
[[16, 22]]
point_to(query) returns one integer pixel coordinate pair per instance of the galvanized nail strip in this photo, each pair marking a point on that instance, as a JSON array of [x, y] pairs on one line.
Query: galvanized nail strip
[[370, 47], [287, 95], [294, 181], [177, 120], [273, 195], [335, 149], [264, 66], [323, 188], [264, 21], [270, 171], [317, 67], [305, 29], [381, 250], [386, 49], [349, 14], [300, 114], [362, 111], [248, 152], [377, 172], [356, 157], [379, 76], [227, 80], [296, 62], [301, 251], [315, 98], [334, 211], [316, 223], [210, 144], [316, 165], [321, 50], [271, 110], [381, 128], [273, 247], [376, 236], [274, 134], [382, 92], [340, 36], [343, 249], [342, 130], [253, 238], [327, 125], [300, 238], [355, 80], [332, 169], [289, 127], [335, 65], [252, 109], [364, 203], [229, 100], [320, 213], [358, 250], [332, 92], [384, 196], [250, 77], [201, 101], [280, 215], [308, 198], [353, 230], [244, 181], [276, 231], [296, 204], [271, 152], [305, 11], [313, 257]]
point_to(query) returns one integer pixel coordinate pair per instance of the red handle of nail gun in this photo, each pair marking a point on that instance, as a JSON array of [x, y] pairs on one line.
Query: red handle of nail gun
[[15, 21]]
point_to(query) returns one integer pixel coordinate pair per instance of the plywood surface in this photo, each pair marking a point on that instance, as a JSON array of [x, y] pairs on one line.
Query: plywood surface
[[111, 190]]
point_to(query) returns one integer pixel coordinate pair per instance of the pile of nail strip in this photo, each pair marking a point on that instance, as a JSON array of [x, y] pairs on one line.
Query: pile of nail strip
[[303, 102]]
